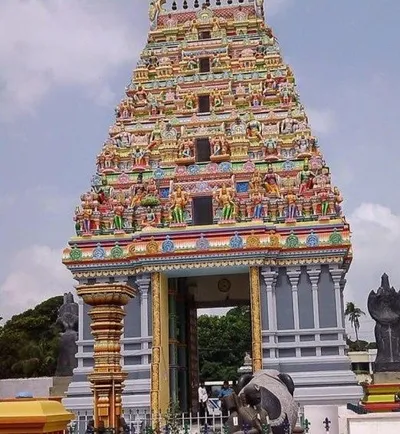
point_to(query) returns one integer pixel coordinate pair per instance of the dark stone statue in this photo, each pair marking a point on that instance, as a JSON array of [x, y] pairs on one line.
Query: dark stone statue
[[246, 414], [384, 307], [68, 317], [265, 397]]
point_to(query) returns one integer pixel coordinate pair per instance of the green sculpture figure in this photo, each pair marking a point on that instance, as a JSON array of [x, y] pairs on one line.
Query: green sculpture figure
[[225, 198], [179, 200]]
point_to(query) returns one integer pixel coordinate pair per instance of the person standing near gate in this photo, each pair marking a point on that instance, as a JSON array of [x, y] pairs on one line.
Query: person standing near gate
[[225, 391], [203, 400]]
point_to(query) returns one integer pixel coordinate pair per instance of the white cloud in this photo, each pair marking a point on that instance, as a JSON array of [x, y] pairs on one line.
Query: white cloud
[[322, 121], [45, 44], [376, 238], [36, 274]]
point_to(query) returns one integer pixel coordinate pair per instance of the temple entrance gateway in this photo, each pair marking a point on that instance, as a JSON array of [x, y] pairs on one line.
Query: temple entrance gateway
[[177, 356], [186, 296]]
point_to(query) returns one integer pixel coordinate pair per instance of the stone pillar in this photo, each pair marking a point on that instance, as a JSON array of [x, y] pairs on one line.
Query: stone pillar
[[270, 276], [313, 274], [107, 301], [337, 276], [256, 318], [143, 285], [294, 276]]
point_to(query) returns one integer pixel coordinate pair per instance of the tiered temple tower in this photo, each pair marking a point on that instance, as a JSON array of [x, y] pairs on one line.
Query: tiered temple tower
[[210, 190]]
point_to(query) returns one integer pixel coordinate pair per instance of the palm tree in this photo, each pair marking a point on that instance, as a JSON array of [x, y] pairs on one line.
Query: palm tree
[[353, 314]]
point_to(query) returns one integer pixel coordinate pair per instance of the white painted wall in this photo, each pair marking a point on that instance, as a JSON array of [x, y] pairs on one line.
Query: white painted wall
[[372, 423], [38, 387]]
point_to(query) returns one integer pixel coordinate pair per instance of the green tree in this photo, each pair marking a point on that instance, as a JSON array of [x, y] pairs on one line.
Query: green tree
[[223, 342], [353, 314], [29, 342]]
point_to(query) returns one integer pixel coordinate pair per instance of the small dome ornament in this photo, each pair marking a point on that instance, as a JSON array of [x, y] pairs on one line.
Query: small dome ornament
[[335, 237], [292, 241], [236, 242], [117, 252], [76, 253], [168, 245], [312, 240], [152, 247], [99, 252], [202, 243]]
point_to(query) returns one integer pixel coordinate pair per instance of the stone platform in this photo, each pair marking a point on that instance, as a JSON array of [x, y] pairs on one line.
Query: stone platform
[[383, 394]]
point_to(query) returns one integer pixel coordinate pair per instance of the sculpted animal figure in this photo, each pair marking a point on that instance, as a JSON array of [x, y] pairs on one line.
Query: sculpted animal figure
[[264, 396]]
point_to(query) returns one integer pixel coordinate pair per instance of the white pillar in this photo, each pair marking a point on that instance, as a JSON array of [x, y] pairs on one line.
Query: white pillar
[[294, 276], [270, 277], [314, 273], [143, 284], [81, 314], [337, 276]]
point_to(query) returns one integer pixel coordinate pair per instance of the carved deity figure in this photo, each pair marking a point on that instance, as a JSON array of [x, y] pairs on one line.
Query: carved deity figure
[[153, 104], [186, 148], [68, 317], [216, 61], [149, 218], [170, 96], [306, 179], [288, 125], [257, 198], [254, 128], [219, 146], [192, 64], [139, 157], [179, 200], [338, 201], [256, 181], [155, 137], [323, 196], [255, 97], [140, 96], [286, 94], [225, 198], [271, 180], [118, 221], [270, 85], [87, 215], [302, 144], [216, 98], [238, 128], [270, 148], [190, 100], [384, 307], [291, 200]]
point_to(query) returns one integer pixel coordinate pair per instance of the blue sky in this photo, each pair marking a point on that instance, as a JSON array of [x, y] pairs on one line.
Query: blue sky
[[64, 66]]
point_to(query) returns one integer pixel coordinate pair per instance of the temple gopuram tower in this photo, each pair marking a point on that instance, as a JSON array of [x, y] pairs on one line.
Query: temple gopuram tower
[[210, 191]]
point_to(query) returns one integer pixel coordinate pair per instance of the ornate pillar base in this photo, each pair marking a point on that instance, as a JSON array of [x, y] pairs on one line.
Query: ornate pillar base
[[107, 301]]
